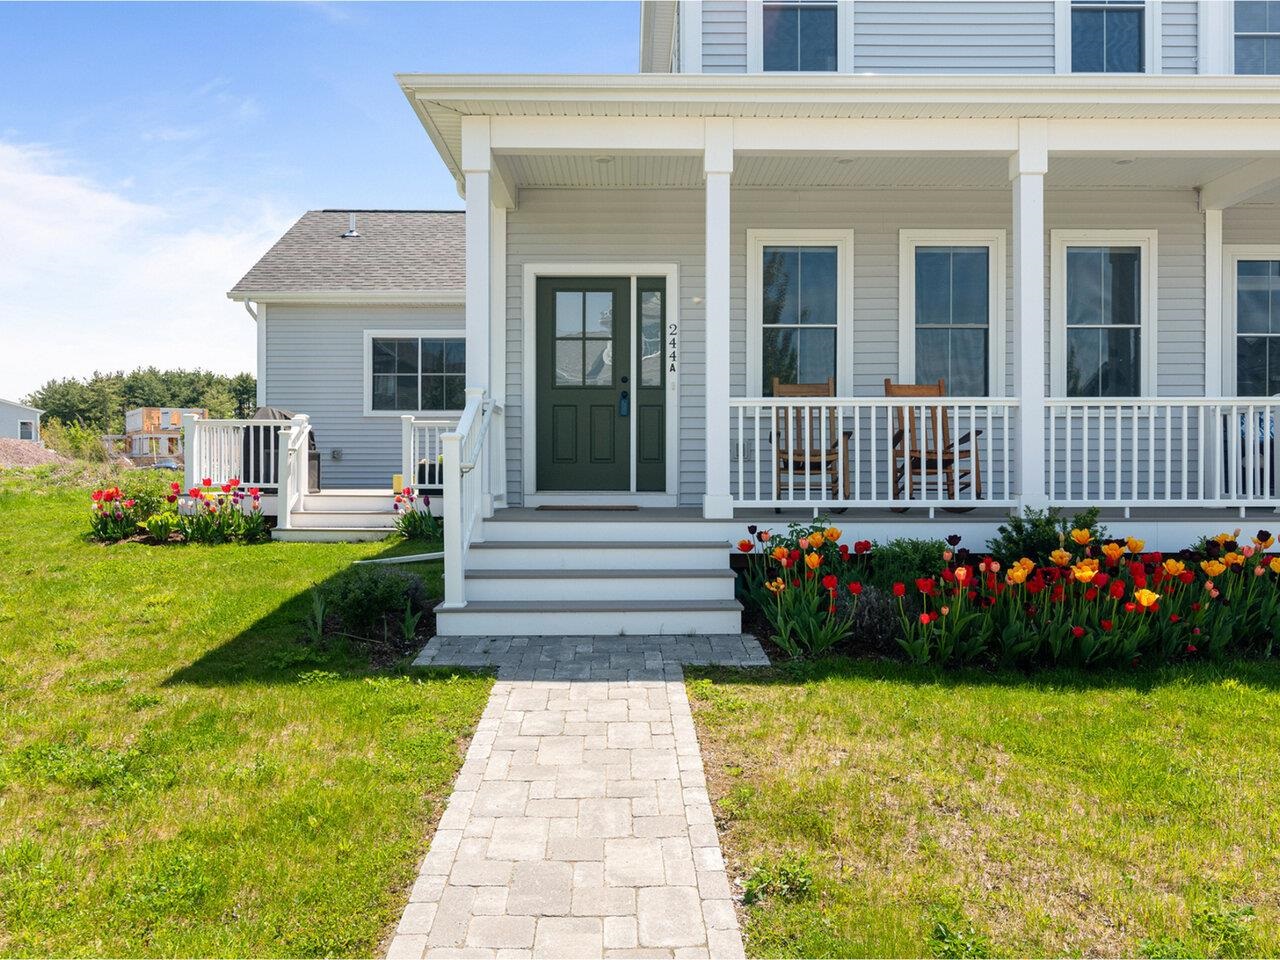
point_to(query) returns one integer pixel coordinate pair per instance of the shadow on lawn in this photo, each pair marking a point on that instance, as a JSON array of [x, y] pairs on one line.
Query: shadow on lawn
[[1263, 674], [275, 650]]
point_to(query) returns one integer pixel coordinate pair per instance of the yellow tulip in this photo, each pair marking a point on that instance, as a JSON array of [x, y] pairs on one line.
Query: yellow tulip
[[775, 586], [1174, 568], [832, 534], [1275, 564], [1135, 545], [1233, 559], [815, 539], [1083, 572], [1027, 564], [1016, 575], [1060, 557], [1112, 551], [812, 560], [1214, 568], [1082, 537], [1146, 598]]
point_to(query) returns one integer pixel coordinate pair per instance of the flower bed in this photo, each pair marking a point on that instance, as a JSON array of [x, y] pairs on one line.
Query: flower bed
[[223, 513], [1095, 600]]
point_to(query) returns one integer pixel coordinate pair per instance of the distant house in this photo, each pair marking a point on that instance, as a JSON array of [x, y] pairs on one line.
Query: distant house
[[155, 433], [19, 421]]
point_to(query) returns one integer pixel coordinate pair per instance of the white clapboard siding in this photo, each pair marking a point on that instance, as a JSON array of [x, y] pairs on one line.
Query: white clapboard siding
[[953, 36], [315, 365], [724, 36], [1179, 36]]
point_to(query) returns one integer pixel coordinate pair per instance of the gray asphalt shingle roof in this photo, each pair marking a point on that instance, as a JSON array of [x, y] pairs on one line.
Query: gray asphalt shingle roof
[[397, 250]]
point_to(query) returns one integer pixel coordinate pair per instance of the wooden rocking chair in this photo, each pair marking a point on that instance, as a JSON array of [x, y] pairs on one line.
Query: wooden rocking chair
[[923, 447], [800, 452]]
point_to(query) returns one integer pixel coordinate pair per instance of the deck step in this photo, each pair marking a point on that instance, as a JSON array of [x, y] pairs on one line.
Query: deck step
[[623, 554], [348, 534], [600, 584], [383, 520], [589, 617], [596, 526]]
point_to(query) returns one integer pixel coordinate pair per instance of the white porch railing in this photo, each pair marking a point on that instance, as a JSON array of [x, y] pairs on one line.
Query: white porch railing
[[1205, 452], [295, 441], [467, 496], [422, 451], [222, 449], [825, 452]]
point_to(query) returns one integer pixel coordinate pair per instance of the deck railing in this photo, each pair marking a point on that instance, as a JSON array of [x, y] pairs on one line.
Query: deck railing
[[465, 488], [849, 452], [295, 441], [422, 451], [1162, 452], [222, 449]]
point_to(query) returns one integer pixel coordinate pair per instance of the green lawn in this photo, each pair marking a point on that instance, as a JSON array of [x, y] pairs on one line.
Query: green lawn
[[1114, 815], [179, 773]]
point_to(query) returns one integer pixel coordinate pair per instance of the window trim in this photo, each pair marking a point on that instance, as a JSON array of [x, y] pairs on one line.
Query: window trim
[[370, 336], [755, 41], [1232, 254], [994, 241], [1148, 292], [1152, 39], [842, 240]]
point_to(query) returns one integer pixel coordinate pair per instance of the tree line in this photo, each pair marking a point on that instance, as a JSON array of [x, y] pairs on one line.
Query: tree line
[[98, 402]]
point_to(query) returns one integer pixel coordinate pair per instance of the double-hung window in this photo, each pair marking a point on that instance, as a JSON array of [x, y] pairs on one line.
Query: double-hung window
[[1108, 36], [1257, 36], [413, 373], [797, 300], [1103, 314], [1256, 351], [26, 430], [800, 35], [951, 310]]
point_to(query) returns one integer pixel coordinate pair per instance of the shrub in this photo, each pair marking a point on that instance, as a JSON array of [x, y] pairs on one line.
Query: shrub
[[904, 560], [370, 601], [1039, 533], [414, 520]]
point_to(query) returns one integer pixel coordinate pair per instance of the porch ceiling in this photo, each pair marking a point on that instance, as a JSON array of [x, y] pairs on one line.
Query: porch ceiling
[[630, 171]]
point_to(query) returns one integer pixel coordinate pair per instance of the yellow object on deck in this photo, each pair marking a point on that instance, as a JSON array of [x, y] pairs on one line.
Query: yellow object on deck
[[397, 482]]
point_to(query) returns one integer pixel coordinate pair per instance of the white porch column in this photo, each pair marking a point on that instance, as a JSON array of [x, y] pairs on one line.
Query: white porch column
[[718, 166], [477, 161], [1027, 168], [1213, 303]]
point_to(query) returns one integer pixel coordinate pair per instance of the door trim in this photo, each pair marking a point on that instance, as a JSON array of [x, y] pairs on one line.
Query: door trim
[[529, 385]]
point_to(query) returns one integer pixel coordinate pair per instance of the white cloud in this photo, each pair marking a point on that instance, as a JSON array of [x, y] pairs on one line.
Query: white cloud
[[91, 279]]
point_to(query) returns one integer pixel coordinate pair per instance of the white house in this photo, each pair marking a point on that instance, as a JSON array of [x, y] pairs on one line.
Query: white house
[[19, 421], [688, 292]]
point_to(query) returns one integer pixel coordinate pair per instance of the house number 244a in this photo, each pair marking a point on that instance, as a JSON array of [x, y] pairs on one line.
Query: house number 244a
[[672, 330]]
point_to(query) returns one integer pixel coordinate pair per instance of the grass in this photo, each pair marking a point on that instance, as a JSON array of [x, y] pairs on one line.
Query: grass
[[179, 773], [872, 809]]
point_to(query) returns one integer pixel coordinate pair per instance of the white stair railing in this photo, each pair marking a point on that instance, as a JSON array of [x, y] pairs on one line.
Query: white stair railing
[[422, 451], [465, 486], [293, 471]]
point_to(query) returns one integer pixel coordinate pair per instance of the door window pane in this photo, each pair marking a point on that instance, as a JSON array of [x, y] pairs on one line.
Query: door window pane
[[1107, 36], [799, 35], [800, 296], [584, 338], [952, 316], [1257, 328], [1104, 318], [597, 370], [598, 321], [568, 313], [650, 338]]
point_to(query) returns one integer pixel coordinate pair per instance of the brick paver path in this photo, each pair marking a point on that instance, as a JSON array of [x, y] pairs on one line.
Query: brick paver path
[[579, 825]]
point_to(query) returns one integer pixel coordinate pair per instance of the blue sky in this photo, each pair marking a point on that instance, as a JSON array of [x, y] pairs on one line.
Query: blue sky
[[150, 152]]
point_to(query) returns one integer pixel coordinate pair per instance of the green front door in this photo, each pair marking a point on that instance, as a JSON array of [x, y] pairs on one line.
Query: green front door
[[585, 396]]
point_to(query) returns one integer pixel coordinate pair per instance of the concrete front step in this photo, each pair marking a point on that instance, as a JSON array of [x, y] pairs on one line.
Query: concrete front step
[[622, 554], [589, 617], [600, 584]]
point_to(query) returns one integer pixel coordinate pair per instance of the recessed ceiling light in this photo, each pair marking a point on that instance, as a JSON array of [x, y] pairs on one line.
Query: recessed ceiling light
[[844, 160], [603, 161], [1125, 161]]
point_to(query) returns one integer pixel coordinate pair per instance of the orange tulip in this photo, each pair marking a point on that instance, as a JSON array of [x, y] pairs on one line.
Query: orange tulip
[[815, 539], [1174, 568], [832, 534], [1135, 545], [1146, 598], [1214, 568], [813, 560], [1083, 572], [1113, 552], [1275, 564], [1082, 537], [1060, 557]]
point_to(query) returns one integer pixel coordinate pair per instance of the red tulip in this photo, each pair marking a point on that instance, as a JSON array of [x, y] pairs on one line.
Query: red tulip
[[1077, 632], [862, 546], [830, 581], [1106, 626], [899, 589], [1117, 589], [746, 546], [926, 586], [856, 589], [176, 487], [206, 482]]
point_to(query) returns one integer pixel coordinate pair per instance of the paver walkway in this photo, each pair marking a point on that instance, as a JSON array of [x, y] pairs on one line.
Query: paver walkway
[[580, 824]]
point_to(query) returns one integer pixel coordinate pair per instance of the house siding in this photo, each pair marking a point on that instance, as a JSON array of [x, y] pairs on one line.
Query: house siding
[[724, 36], [12, 415], [1180, 39], [953, 36], [315, 365], [660, 226]]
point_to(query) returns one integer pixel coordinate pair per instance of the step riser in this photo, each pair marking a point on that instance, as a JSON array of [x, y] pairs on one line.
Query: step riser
[[601, 588], [304, 535], [581, 556], [356, 503], [460, 623], [382, 521], [595, 531]]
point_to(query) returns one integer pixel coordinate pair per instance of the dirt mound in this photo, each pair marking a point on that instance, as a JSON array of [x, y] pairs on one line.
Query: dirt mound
[[26, 453]]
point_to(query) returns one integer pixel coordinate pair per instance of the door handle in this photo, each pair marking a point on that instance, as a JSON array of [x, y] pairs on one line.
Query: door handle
[[624, 404]]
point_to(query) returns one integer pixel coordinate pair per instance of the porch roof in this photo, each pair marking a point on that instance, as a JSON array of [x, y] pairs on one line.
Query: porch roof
[[443, 100]]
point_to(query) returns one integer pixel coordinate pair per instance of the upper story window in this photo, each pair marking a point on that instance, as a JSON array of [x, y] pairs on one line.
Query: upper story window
[[1257, 36], [1107, 36], [800, 35]]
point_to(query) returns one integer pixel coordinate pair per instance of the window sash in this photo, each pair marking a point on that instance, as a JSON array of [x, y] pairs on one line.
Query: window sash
[[1257, 334], [973, 378], [406, 384], [788, 347], [811, 23], [1104, 356], [1094, 53]]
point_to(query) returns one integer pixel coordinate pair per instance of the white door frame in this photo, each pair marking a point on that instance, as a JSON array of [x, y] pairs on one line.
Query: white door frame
[[529, 377]]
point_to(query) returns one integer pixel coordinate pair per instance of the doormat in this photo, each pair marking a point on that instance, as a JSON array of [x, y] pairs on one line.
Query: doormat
[[587, 506]]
